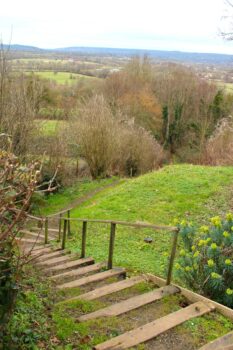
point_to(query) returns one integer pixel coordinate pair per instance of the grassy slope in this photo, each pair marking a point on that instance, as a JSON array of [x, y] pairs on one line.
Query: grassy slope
[[159, 197], [63, 199], [180, 191]]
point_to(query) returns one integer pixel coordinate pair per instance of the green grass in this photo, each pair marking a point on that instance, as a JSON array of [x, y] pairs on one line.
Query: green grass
[[49, 127], [63, 77], [64, 197], [187, 192]]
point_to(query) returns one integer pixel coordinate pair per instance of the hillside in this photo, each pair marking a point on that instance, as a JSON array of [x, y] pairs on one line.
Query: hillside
[[187, 192], [179, 56]]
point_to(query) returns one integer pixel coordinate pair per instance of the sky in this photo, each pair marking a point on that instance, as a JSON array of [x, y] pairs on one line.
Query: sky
[[183, 25]]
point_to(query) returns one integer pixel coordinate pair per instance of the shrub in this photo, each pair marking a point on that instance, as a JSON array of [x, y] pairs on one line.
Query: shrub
[[17, 184], [219, 149], [206, 262], [111, 143]]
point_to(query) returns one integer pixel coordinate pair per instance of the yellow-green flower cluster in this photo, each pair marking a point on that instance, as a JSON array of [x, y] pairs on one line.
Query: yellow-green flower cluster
[[202, 242], [216, 221], [215, 275], [226, 234], [229, 291], [196, 254], [204, 229], [178, 266], [228, 262], [214, 246], [210, 263], [188, 268], [229, 216], [182, 252]]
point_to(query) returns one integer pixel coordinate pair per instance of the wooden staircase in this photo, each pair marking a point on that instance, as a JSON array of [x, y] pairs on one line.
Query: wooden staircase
[[66, 271]]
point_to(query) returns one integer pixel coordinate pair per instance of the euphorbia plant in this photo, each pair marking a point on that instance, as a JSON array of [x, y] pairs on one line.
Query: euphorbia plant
[[206, 261]]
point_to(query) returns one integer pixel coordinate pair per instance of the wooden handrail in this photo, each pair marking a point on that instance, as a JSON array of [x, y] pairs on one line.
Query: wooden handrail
[[125, 223]]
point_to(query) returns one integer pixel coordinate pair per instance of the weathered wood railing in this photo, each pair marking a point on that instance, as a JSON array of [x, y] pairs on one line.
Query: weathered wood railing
[[64, 231]]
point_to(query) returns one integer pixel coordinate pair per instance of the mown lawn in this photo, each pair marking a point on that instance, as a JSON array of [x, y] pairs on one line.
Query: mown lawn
[[187, 192]]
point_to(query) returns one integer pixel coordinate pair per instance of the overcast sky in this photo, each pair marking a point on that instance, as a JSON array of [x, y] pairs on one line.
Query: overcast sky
[[186, 25]]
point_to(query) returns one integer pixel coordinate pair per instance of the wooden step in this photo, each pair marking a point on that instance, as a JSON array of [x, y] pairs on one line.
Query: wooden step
[[131, 303], [71, 264], [52, 254], [57, 260], [32, 234], [50, 229], [93, 278], [80, 271], [220, 343], [155, 328], [109, 289], [45, 249], [29, 241]]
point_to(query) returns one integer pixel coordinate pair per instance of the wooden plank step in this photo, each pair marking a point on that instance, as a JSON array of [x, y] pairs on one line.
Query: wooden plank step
[[32, 234], [52, 232], [109, 289], [52, 254], [220, 343], [50, 229], [57, 260], [93, 278], [28, 241], [45, 249], [153, 329], [71, 264], [36, 252], [80, 271], [131, 303]]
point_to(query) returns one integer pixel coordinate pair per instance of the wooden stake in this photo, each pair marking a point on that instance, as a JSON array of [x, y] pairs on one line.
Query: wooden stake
[[68, 216], [84, 236], [172, 257], [59, 229], [111, 245], [63, 245], [46, 231]]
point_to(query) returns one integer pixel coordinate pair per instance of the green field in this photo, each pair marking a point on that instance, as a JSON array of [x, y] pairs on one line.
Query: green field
[[50, 127], [63, 78], [187, 192], [228, 87]]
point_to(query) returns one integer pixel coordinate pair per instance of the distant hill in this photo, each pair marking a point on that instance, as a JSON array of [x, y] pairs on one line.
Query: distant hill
[[177, 56]]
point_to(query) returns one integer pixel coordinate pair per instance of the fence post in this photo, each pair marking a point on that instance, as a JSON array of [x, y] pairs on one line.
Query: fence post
[[63, 245], [172, 257], [111, 245], [84, 236], [68, 217], [59, 229], [46, 229]]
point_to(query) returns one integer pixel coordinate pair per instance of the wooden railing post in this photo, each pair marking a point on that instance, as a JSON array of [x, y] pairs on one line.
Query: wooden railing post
[[59, 228], [46, 230], [84, 236], [68, 217], [172, 257], [111, 245], [63, 245]]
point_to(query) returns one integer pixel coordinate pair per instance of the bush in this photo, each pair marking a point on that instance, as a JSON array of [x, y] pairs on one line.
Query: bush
[[111, 143], [17, 184], [219, 149], [205, 263]]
